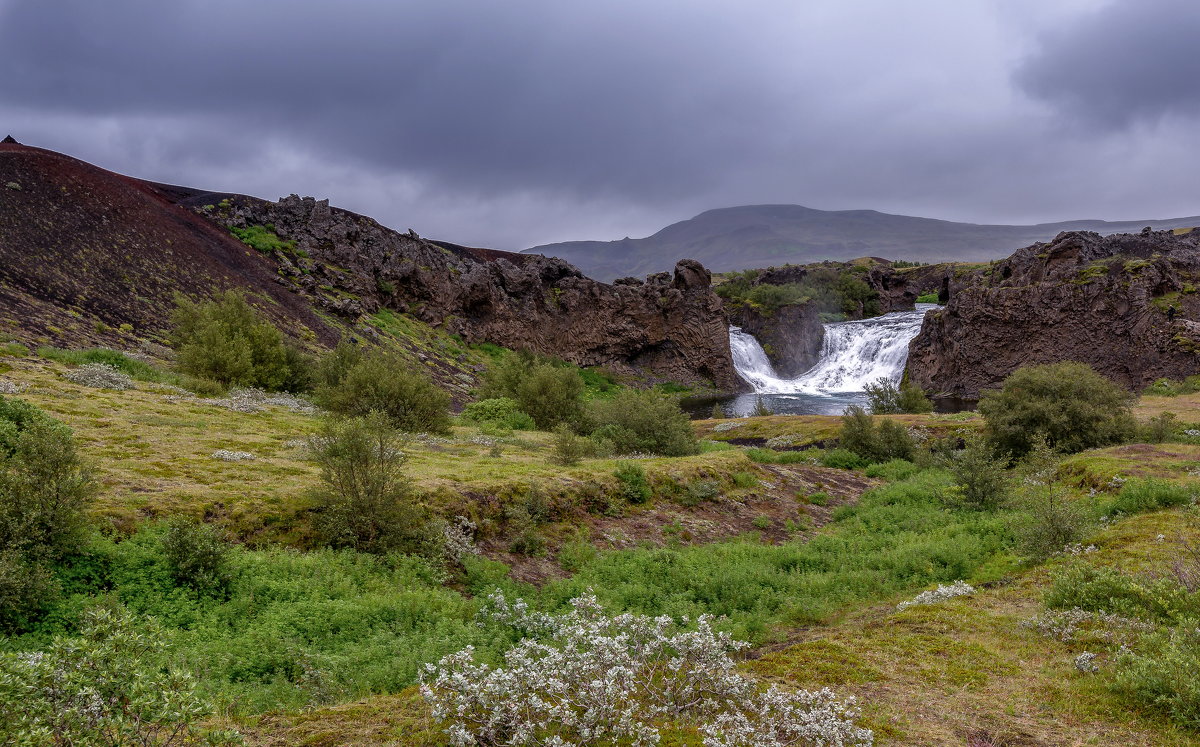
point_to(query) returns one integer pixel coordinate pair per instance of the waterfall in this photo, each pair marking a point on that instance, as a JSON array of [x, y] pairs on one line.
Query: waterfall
[[853, 355]]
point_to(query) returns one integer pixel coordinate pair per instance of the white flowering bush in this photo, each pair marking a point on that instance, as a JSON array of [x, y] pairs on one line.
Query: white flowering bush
[[940, 594], [458, 539], [100, 376], [10, 387], [727, 426], [1086, 663], [1077, 625], [226, 455], [110, 686], [585, 677]]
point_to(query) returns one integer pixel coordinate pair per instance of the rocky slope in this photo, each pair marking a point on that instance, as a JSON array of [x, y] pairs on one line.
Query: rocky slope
[[1125, 304], [762, 235], [92, 257]]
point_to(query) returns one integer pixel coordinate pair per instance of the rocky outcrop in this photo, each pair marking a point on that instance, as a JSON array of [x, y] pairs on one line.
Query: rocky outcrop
[[671, 324], [1125, 305], [791, 335]]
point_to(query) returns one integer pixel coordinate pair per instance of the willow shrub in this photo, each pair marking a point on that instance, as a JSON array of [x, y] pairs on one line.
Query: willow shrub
[[1068, 404]]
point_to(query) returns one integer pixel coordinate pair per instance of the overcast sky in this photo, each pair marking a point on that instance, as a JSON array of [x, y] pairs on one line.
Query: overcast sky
[[510, 123]]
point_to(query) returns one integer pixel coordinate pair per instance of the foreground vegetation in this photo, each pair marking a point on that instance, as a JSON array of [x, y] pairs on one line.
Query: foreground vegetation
[[266, 565]]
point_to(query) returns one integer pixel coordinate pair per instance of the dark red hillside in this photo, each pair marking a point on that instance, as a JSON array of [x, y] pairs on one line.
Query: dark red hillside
[[83, 249]]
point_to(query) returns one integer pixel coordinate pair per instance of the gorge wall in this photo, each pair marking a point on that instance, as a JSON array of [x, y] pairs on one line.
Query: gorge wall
[[671, 324], [1124, 304]]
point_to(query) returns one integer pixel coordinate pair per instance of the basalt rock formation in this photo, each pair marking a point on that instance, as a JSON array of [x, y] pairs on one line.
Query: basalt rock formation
[[670, 325], [1125, 305], [91, 257]]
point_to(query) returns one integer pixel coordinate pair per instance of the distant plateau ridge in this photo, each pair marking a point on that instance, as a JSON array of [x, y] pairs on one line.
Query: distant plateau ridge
[[738, 238]]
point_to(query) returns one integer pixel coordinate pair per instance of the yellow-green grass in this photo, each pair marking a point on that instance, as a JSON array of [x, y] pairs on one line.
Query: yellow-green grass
[[1185, 406], [152, 451]]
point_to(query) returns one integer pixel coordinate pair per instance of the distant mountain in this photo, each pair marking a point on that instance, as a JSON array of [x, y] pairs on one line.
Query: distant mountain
[[738, 238]]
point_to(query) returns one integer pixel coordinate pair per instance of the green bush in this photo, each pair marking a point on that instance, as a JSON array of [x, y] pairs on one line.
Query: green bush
[[1108, 590], [634, 486], [501, 412], [198, 556], [332, 367], [366, 501], [1160, 428], [647, 422], [1070, 405], [549, 393], [263, 238], [700, 491], [928, 298], [1150, 494], [226, 340], [386, 383], [770, 456]]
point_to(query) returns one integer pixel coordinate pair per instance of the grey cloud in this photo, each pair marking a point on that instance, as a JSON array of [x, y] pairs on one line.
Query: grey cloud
[[1130, 61], [522, 122]]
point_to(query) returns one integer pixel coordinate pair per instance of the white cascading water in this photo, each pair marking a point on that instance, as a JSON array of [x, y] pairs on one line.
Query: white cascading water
[[853, 355]]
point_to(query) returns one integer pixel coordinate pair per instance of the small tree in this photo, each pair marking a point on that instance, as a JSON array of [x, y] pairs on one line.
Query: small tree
[[226, 340], [885, 398], [1070, 405], [569, 447], [366, 501], [981, 479], [387, 384]]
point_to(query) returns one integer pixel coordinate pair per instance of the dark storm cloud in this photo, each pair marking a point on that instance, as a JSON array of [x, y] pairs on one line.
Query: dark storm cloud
[[526, 121], [1132, 60], [512, 94]]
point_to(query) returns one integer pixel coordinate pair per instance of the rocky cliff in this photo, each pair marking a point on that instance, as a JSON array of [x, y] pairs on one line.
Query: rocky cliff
[[671, 324], [1124, 304], [791, 335]]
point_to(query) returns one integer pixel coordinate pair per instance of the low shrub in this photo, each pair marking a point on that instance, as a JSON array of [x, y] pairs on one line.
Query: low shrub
[[647, 422], [569, 447], [874, 442], [893, 470], [387, 384], [1149, 494], [635, 488], [1051, 522], [770, 456], [981, 479], [1158, 600], [842, 459], [745, 480], [700, 491], [584, 677], [1160, 673], [1160, 428], [114, 684]]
